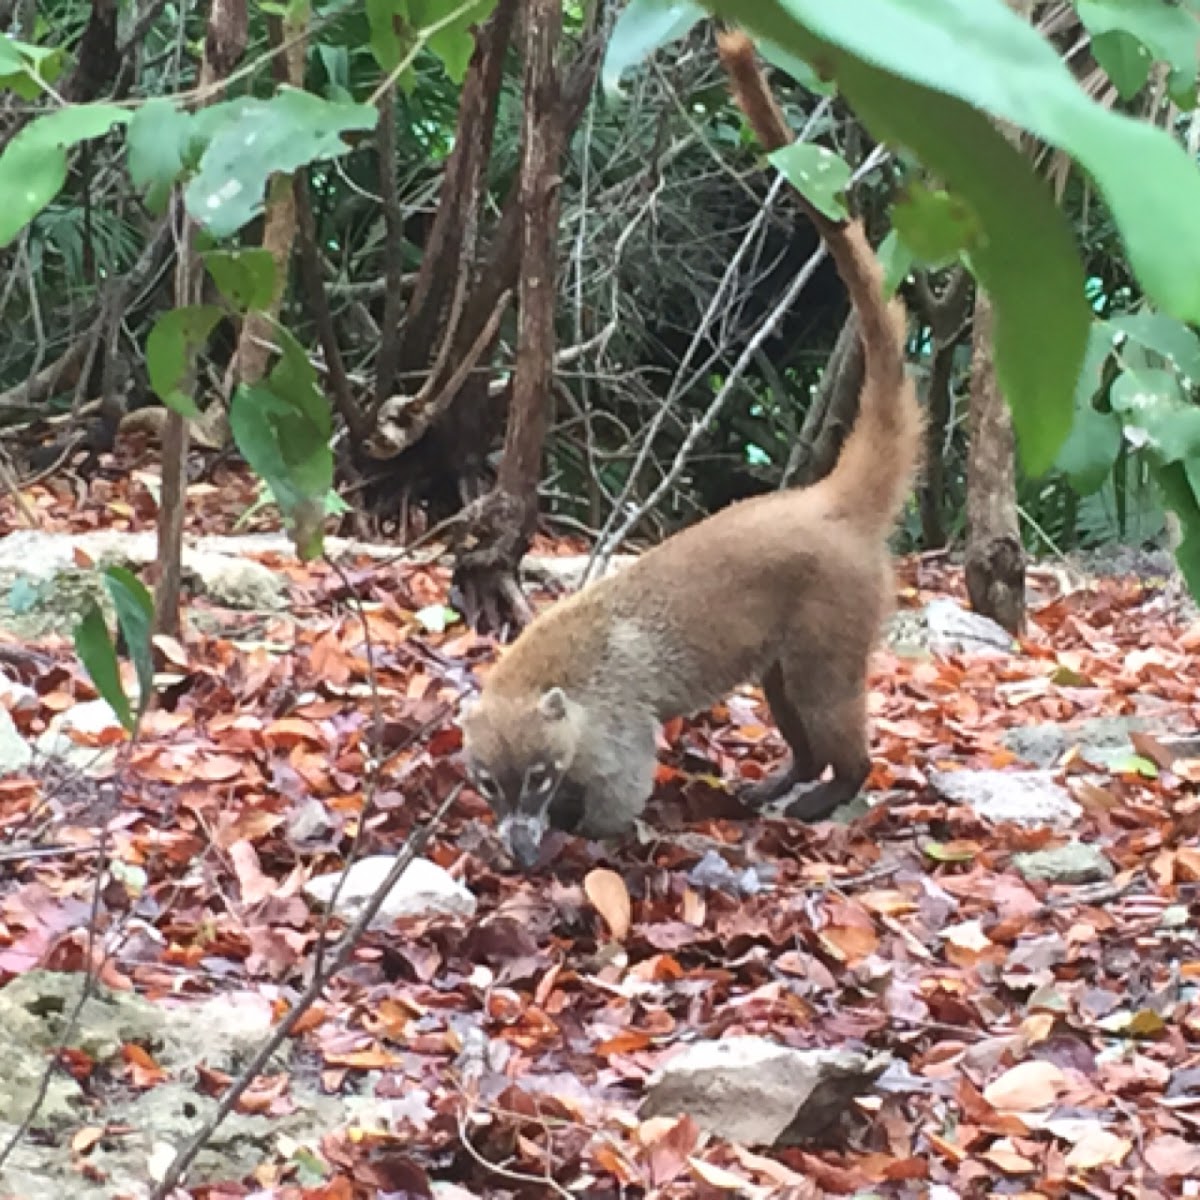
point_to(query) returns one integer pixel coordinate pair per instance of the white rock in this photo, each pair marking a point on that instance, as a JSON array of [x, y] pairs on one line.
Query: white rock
[[954, 630], [425, 889], [757, 1092], [93, 718], [15, 752], [1023, 797]]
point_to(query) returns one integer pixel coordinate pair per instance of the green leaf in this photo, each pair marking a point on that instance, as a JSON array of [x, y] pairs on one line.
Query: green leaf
[[135, 616], [1124, 60], [1155, 413], [257, 140], [99, 657], [1187, 555], [25, 68], [392, 32], [1167, 337], [936, 226], [158, 139], [819, 175], [246, 278], [171, 349], [897, 261], [283, 427], [643, 27], [453, 43], [982, 53], [1026, 257], [1091, 449], [1167, 31], [33, 168]]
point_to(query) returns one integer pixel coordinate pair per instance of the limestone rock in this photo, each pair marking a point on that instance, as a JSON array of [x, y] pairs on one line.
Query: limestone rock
[[1029, 798], [758, 1092], [1076, 862], [425, 889]]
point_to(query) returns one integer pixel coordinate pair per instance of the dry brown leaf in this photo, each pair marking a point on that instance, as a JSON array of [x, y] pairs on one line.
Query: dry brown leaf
[[1172, 1156], [1098, 1148], [610, 897], [1027, 1086], [725, 1180], [1008, 1161]]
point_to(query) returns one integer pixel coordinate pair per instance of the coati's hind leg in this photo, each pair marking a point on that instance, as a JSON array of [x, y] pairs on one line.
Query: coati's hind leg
[[800, 767], [832, 734], [837, 735]]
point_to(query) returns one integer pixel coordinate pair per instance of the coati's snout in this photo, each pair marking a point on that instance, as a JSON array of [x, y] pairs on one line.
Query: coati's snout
[[517, 762]]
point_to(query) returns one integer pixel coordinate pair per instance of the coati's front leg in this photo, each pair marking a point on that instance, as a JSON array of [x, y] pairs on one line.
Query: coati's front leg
[[615, 773]]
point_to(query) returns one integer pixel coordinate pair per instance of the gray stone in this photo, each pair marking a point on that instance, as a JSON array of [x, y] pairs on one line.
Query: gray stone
[[759, 1093], [1032, 798], [425, 889], [1076, 862], [1102, 741], [945, 627], [15, 752], [236, 582]]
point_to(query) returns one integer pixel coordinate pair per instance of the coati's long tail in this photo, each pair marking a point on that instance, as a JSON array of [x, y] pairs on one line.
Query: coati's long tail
[[881, 452]]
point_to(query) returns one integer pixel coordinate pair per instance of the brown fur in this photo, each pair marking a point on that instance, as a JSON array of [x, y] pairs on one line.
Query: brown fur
[[789, 589]]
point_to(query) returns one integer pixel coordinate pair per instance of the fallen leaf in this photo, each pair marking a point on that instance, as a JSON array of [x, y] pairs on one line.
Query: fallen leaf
[[1027, 1086], [610, 897]]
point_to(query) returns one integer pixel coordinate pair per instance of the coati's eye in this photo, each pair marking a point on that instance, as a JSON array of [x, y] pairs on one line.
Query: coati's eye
[[485, 783], [540, 779]]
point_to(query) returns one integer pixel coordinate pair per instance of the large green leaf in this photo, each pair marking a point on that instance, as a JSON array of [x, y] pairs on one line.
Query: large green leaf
[[989, 57], [257, 139], [1166, 337], [96, 651], [1151, 402], [1026, 257], [135, 616], [171, 349], [33, 168]]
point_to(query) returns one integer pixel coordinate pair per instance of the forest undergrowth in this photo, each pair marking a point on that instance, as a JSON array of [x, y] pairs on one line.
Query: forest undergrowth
[[1047, 1036]]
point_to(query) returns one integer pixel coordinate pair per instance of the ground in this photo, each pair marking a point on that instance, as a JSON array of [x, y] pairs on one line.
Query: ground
[[1044, 1036]]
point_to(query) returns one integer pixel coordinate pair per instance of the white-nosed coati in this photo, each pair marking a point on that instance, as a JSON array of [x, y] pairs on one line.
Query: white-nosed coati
[[789, 589]]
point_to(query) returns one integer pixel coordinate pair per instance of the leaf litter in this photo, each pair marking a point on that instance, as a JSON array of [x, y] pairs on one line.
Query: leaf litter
[[1046, 1037]]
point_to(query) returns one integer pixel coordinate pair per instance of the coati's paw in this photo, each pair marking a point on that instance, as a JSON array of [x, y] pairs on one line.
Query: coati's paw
[[771, 789], [816, 801]]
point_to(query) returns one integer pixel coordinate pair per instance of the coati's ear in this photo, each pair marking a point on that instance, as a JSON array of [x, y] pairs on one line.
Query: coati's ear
[[553, 704]]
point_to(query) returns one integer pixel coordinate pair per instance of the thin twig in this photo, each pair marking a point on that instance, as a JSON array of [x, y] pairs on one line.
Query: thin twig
[[345, 948]]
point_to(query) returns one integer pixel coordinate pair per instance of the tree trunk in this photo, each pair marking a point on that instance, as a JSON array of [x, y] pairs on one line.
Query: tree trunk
[[224, 44], [995, 558], [254, 348], [946, 315], [502, 523], [446, 467]]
